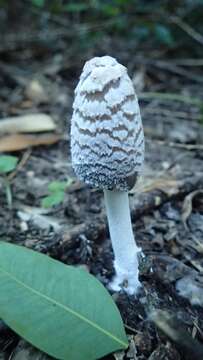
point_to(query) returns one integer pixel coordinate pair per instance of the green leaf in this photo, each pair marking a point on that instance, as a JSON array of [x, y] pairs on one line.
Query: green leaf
[[38, 3], [57, 189], [62, 310], [53, 199], [59, 185], [110, 10], [75, 7], [7, 163], [141, 32], [164, 35]]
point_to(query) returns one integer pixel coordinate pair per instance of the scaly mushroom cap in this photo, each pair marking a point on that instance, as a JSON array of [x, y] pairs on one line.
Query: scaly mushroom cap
[[107, 140]]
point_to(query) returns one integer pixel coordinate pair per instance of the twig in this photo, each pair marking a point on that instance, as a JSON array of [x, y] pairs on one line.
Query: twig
[[20, 165], [170, 67], [189, 147], [172, 114], [175, 330], [131, 329], [198, 328], [170, 97], [9, 196], [179, 71], [188, 62], [188, 29]]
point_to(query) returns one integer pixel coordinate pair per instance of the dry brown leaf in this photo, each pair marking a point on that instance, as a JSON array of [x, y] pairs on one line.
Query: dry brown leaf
[[187, 205], [27, 123], [168, 186], [17, 142]]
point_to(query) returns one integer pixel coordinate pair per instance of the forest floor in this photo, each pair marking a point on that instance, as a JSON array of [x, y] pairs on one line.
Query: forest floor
[[166, 204]]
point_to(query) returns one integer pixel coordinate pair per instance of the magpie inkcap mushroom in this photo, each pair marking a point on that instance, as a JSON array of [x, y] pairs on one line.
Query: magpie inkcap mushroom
[[107, 147]]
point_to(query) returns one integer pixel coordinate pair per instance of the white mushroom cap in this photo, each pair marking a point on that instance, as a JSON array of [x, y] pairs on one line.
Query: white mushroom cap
[[107, 140]]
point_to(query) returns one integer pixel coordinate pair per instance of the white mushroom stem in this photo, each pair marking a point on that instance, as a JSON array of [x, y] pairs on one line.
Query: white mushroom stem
[[123, 242]]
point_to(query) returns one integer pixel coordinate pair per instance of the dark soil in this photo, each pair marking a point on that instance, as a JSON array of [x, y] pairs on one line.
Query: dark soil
[[168, 224]]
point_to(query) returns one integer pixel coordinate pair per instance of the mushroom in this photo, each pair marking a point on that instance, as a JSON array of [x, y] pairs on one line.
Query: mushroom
[[107, 147]]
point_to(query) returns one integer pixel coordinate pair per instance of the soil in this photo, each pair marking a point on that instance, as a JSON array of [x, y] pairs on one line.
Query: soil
[[166, 204]]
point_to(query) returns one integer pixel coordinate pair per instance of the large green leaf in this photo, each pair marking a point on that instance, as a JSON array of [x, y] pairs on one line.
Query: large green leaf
[[60, 309]]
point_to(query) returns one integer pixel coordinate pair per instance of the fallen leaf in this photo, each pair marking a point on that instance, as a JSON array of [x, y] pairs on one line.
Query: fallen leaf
[[36, 92], [187, 205], [168, 186], [17, 142], [27, 123]]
